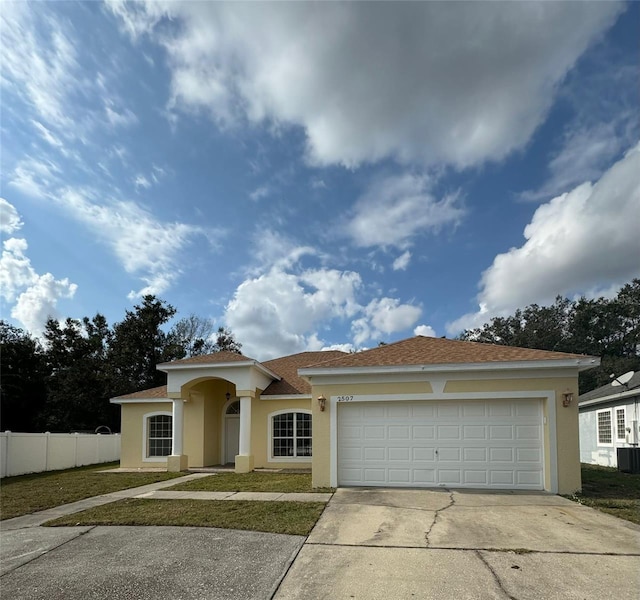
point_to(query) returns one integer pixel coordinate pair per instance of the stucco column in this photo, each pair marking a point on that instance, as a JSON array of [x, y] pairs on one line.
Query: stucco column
[[244, 460], [177, 461]]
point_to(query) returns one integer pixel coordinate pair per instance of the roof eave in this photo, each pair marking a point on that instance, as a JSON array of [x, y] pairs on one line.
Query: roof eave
[[581, 364], [166, 367], [610, 397]]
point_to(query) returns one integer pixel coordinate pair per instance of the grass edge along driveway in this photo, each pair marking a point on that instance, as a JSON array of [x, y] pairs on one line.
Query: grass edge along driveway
[[610, 491], [26, 494], [292, 518]]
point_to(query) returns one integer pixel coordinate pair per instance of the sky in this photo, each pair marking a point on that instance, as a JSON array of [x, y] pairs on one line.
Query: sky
[[317, 175]]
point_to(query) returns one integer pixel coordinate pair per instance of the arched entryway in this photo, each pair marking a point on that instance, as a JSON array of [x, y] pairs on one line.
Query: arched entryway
[[231, 431]]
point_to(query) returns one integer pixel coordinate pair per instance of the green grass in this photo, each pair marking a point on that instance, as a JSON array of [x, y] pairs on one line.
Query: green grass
[[252, 482], [294, 518], [610, 491], [25, 494]]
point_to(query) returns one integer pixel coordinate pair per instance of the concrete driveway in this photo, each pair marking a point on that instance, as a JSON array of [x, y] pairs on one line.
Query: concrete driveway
[[139, 563], [396, 544]]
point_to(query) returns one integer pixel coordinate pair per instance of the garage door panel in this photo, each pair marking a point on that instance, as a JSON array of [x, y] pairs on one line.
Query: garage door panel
[[474, 454], [501, 454], [474, 432], [423, 432], [400, 454], [399, 432], [374, 454], [501, 432], [425, 454], [448, 432], [488, 444], [475, 478]]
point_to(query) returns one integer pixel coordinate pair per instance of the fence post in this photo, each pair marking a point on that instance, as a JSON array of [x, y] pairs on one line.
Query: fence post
[[76, 449], [98, 438], [7, 464]]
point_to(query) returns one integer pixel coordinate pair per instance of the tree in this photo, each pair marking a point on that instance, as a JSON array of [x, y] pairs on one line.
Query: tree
[[225, 341], [79, 380], [195, 335], [604, 327], [22, 385], [139, 344]]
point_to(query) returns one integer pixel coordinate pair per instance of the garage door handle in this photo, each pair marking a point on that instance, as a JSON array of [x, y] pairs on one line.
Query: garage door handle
[[436, 451]]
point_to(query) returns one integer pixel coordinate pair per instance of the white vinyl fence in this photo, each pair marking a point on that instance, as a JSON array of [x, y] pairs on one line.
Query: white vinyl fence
[[22, 453]]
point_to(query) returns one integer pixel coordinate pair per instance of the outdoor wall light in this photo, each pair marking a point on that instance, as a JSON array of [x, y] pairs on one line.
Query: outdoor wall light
[[567, 397], [322, 401]]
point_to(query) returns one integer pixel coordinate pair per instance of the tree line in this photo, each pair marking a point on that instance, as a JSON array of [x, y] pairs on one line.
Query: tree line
[[64, 383], [604, 327]]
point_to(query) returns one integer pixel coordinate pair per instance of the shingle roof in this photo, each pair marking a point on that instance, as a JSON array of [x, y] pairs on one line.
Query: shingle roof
[[156, 392], [287, 367], [610, 390], [209, 359], [422, 350]]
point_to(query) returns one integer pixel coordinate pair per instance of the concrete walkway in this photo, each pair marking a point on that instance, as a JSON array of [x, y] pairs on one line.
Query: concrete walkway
[[154, 491]]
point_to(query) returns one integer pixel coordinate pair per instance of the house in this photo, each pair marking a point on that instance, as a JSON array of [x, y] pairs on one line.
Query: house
[[421, 412], [608, 420]]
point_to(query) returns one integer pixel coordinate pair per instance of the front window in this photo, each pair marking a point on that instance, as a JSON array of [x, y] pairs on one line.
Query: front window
[[159, 432], [605, 437], [291, 435]]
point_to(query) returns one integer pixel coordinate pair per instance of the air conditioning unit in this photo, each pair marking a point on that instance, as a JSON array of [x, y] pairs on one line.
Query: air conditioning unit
[[631, 436]]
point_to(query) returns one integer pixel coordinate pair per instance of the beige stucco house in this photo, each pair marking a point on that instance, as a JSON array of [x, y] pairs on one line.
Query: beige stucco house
[[422, 412]]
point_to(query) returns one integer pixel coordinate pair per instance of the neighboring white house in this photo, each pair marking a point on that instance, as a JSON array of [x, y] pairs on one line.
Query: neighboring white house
[[609, 419]]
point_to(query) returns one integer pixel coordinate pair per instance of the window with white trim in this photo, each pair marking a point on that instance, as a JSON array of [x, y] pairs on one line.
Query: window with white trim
[[291, 435], [159, 434], [621, 424], [604, 427]]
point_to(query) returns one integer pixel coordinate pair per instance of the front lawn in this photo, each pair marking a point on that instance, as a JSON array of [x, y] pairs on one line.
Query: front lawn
[[294, 518], [252, 482], [26, 494], [610, 491]]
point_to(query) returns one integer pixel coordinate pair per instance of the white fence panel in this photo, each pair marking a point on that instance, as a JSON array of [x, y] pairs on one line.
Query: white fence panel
[[22, 453]]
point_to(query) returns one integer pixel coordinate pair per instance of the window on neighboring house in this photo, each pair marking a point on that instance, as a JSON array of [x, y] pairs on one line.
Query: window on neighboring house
[[291, 435], [159, 435], [605, 434], [620, 425]]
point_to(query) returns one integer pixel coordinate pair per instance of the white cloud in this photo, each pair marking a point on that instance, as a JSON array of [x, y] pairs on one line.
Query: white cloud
[[402, 262], [582, 240], [46, 135], [141, 182], [449, 89], [122, 118], [341, 347], [34, 297], [384, 316], [146, 246], [396, 209], [260, 192], [36, 67], [282, 307], [9, 218], [425, 330]]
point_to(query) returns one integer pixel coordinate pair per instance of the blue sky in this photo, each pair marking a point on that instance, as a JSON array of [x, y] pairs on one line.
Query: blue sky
[[317, 175]]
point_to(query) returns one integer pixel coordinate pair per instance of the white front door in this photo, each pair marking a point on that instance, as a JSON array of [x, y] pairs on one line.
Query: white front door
[[231, 438], [476, 444]]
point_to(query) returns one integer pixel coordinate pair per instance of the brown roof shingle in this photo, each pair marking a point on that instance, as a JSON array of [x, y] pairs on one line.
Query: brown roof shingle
[[156, 392], [422, 350], [287, 367]]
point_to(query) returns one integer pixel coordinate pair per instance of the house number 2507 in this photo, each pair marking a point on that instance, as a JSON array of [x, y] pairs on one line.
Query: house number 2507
[[345, 398]]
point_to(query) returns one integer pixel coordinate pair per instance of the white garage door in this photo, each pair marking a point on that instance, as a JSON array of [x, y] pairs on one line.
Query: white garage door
[[476, 444]]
